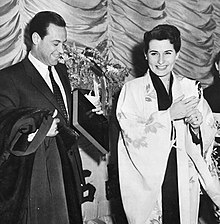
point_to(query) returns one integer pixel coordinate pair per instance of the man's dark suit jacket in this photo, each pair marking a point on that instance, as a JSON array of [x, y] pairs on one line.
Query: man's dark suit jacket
[[22, 86]]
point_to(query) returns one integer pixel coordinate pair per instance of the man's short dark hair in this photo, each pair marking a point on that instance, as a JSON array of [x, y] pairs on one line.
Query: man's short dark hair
[[163, 32], [42, 20]]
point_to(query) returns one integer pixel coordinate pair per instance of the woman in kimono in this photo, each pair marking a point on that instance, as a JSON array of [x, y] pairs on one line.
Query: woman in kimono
[[165, 145]]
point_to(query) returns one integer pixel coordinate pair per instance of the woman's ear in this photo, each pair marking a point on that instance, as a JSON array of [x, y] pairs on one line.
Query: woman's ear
[[145, 56], [177, 54]]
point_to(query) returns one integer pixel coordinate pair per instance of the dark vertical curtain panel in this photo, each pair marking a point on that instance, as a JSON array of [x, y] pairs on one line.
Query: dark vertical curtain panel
[[119, 25]]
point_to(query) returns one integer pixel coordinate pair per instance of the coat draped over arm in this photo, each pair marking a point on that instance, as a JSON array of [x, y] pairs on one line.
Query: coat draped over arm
[[32, 177]]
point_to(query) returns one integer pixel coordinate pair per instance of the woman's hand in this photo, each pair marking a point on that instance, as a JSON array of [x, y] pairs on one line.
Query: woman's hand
[[181, 107], [194, 119]]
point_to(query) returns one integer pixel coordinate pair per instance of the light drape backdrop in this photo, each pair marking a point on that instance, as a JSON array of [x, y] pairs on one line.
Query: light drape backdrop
[[122, 24]]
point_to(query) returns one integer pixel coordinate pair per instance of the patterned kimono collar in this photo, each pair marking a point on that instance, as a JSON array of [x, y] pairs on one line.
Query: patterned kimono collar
[[164, 99]]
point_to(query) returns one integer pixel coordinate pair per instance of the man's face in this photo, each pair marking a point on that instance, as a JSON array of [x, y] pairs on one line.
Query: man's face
[[161, 57], [49, 49]]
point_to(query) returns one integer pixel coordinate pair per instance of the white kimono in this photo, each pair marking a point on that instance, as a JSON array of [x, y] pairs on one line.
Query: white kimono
[[144, 146]]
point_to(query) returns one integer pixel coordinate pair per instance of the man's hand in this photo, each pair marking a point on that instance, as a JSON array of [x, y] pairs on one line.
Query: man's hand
[[96, 102], [54, 126], [181, 107], [98, 110]]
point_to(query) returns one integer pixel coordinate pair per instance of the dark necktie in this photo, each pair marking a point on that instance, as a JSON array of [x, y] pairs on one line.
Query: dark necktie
[[57, 94]]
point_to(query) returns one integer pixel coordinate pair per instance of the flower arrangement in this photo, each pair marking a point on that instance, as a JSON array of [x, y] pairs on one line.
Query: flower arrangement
[[90, 69]]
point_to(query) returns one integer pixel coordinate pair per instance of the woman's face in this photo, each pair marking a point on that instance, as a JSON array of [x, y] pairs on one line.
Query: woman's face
[[161, 57]]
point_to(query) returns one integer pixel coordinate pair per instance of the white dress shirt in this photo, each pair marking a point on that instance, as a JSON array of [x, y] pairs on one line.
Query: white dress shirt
[[44, 72]]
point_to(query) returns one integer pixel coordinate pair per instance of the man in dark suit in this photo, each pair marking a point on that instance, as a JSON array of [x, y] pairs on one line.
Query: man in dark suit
[[29, 84]]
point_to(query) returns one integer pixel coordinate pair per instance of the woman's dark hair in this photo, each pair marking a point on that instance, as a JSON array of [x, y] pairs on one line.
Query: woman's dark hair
[[41, 22], [163, 32]]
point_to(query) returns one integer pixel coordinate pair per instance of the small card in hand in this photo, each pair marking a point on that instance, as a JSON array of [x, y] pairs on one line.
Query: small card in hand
[[93, 126]]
